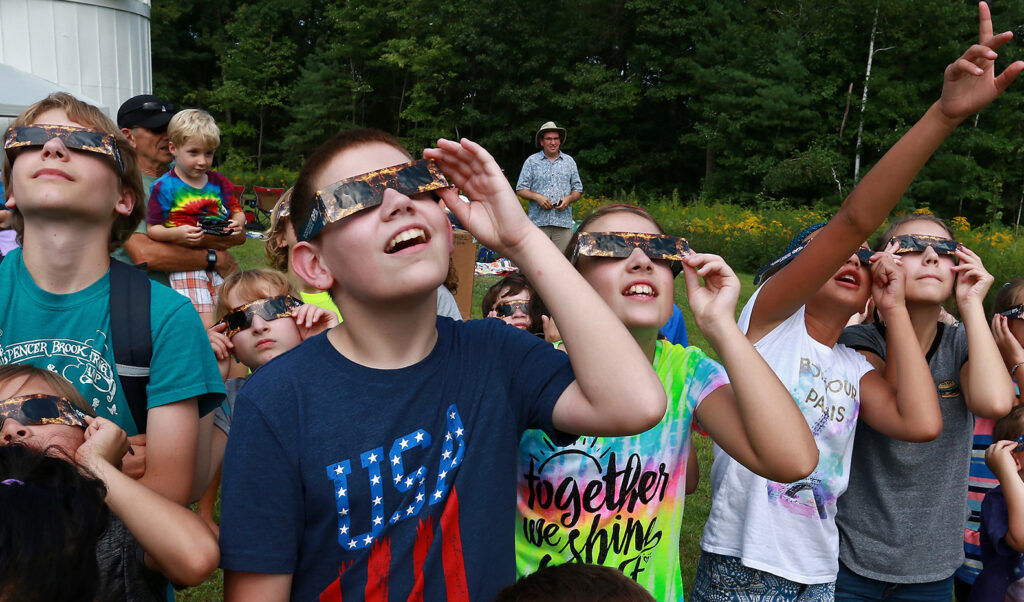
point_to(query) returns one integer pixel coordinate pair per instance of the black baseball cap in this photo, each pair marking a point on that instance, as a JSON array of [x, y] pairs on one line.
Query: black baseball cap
[[145, 110]]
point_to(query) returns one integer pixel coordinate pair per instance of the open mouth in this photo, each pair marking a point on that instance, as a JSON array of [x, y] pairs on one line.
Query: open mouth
[[405, 239], [640, 290]]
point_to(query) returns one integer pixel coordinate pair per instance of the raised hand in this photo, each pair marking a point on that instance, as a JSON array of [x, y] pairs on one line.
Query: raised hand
[[970, 83], [311, 320], [973, 281], [222, 346], [551, 334], [1010, 348], [104, 441], [888, 283], [999, 459], [714, 302], [494, 215]]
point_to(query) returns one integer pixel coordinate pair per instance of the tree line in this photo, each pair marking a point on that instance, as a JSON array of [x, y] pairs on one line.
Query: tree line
[[754, 101]]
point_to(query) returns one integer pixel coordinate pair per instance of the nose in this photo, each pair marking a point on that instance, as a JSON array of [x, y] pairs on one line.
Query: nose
[[930, 256], [54, 148], [13, 431], [259, 324], [638, 261], [395, 204]]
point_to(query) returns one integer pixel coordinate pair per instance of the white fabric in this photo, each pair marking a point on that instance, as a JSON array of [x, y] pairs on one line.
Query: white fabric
[[789, 529]]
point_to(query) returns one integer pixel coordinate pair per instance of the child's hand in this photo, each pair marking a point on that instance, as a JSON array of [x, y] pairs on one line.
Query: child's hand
[[973, 281], [999, 459], [888, 283], [551, 334], [104, 441], [1010, 348], [970, 83], [494, 216], [312, 320], [715, 301], [222, 347], [134, 464], [190, 235]]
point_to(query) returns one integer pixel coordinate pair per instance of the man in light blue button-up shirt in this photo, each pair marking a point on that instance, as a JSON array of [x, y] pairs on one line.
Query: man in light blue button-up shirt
[[551, 182]]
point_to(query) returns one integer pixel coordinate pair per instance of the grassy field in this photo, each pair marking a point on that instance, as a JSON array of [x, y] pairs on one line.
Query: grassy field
[[698, 505]]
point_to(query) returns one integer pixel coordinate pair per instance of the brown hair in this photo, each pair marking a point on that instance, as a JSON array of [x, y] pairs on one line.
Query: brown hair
[[515, 283], [274, 244], [57, 383], [575, 582], [251, 285], [1009, 427], [887, 234], [305, 189], [90, 117], [1010, 295]]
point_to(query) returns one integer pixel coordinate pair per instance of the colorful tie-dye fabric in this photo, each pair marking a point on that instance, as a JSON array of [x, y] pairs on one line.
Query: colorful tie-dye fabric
[[616, 501], [172, 202]]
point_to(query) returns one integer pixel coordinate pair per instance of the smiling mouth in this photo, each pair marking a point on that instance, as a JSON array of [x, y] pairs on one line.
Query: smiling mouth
[[848, 278], [405, 239], [640, 290]]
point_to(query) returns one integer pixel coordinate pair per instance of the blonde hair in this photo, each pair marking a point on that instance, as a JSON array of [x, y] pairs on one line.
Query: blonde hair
[[274, 244], [55, 382], [92, 118], [195, 125], [251, 285]]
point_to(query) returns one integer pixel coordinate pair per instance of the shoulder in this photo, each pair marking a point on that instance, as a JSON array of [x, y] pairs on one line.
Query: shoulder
[[568, 158], [866, 337], [218, 179]]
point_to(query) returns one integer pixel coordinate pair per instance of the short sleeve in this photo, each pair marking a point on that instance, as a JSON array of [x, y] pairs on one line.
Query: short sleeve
[[183, 364], [577, 183], [864, 337], [155, 213], [525, 176], [995, 523], [227, 193], [261, 520]]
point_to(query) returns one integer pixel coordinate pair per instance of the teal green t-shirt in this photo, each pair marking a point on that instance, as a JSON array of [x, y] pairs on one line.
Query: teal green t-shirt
[[70, 334]]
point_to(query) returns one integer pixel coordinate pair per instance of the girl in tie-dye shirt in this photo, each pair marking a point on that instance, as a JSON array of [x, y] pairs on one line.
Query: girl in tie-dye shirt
[[618, 501]]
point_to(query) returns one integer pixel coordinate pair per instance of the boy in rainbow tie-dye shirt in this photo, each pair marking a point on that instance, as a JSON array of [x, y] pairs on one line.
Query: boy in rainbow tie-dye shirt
[[188, 194]]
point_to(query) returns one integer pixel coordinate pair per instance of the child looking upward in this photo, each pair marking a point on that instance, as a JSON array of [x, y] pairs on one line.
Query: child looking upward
[[377, 461], [189, 195]]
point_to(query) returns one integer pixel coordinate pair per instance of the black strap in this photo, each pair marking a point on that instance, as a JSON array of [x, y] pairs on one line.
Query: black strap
[[131, 336]]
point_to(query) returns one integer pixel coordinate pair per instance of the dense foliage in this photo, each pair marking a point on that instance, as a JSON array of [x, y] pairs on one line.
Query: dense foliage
[[751, 102]]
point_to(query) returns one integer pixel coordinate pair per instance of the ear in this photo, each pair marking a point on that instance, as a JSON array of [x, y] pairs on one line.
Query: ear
[[309, 266], [171, 148], [125, 202], [129, 135]]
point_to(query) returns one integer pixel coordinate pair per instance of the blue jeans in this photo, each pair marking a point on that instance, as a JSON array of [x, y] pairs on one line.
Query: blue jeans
[[725, 579], [851, 587]]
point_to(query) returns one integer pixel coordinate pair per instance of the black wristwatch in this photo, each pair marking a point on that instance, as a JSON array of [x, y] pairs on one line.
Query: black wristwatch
[[211, 260]]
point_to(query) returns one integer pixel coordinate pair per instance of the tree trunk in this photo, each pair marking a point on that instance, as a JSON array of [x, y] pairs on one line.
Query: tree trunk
[[259, 142], [864, 97]]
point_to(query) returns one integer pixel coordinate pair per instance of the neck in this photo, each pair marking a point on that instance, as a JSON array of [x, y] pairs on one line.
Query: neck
[[389, 335], [66, 257], [647, 339], [154, 170], [925, 319], [824, 324], [193, 182]]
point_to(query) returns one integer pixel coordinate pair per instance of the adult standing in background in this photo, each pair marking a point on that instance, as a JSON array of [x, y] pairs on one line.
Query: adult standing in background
[[143, 120], [551, 182]]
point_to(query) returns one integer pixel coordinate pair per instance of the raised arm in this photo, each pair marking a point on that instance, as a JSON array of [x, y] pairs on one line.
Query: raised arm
[[903, 404], [616, 391], [754, 419], [172, 439], [969, 84], [987, 391], [1000, 460]]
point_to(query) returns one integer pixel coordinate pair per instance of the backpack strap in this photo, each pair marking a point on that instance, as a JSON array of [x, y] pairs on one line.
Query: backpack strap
[[131, 336]]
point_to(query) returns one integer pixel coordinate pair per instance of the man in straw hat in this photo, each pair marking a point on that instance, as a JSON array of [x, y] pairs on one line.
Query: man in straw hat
[[551, 182]]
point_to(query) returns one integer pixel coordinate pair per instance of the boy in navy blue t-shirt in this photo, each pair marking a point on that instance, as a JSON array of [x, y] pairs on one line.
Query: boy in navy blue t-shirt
[[377, 461]]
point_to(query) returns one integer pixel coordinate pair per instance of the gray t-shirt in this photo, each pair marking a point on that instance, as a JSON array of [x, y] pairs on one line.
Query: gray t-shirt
[[446, 305], [902, 517], [222, 417]]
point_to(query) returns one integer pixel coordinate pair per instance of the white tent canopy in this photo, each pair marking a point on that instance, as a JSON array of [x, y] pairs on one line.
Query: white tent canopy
[[20, 89]]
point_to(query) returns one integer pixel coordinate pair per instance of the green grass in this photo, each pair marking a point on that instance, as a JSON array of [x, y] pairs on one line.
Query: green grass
[[698, 504]]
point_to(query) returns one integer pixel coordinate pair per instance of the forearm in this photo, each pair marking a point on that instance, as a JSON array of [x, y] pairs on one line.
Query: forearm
[[161, 233], [175, 540], [611, 370], [572, 197], [917, 405], [786, 452], [204, 469], [165, 257], [172, 439], [988, 393], [530, 195]]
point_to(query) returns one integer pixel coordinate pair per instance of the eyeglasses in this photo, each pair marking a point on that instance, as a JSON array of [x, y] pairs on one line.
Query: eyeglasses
[[153, 106], [917, 243], [507, 309], [77, 138], [1014, 313], [351, 195], [40, 408], [621, 245], [270, 308], [864, 255]]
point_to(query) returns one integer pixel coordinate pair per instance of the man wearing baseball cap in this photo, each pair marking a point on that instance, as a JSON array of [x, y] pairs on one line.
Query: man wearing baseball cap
[[143, 121], [551, 182]]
